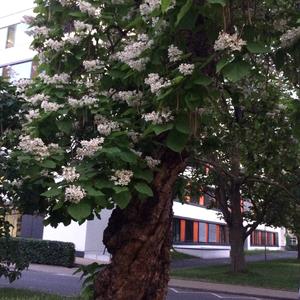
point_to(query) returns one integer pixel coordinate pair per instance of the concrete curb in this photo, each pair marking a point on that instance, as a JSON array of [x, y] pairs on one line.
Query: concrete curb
[[234, 289]]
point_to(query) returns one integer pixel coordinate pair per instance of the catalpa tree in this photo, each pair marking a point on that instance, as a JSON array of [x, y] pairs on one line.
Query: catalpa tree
[[123, 103]]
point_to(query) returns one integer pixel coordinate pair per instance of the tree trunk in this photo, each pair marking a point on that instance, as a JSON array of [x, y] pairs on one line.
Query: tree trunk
[[139, 239], [236, 231], [298, 245]]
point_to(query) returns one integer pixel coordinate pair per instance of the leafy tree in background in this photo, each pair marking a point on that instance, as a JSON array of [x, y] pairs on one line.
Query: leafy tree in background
[[11, 263], [132, 92]]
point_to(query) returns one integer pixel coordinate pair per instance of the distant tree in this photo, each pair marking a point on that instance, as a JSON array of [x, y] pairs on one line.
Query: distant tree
[[132, 92]]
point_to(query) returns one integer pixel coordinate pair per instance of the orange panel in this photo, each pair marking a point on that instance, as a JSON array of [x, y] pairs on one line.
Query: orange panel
[[182, 230], [196, 232], [218, 233], [201, 200], [259, 238], [206, 232]]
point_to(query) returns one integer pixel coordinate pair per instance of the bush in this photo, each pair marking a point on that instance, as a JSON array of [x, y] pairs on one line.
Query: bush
[[38, 251]]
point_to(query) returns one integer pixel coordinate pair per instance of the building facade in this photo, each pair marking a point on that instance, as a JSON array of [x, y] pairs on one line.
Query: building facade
[[196, 229]]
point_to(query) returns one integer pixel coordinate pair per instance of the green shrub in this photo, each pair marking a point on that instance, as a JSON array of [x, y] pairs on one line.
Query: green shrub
[[38, 251]]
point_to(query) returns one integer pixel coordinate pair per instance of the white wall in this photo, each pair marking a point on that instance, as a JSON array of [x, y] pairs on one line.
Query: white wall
[[73, 233]]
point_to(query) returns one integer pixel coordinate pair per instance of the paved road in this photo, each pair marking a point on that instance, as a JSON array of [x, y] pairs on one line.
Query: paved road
[[198, 262], [69, 285]]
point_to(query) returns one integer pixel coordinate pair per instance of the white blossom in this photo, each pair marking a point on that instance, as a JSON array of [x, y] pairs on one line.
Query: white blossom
[[151, 162], [105, 126], [290, 37], [62, 78], [33, 146], [50, 106], [92, 65], [122, 177], [81, 26], [54, 44], [32, 114], [156, 83], [71, 38], [86, 100], [186, 69], [229, 41], [37, 98], [89, 148], [174, 53], [67, 2], [149, 6], [74, 193], [39, 31], [158, 117], [69, 174], [23, 84], [132, 98], [28, 19], [88, 8], [132, 52]]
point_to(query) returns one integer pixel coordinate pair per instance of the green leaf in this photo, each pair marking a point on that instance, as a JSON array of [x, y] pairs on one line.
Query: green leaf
[[203, 80], [101, 183], [158, 129], [223, 62], [176, 140], [144, 189], [221, 2], [183, 11], [236, 70], [80, 210], [65, 126], [93, 192], [128, 157], [165, 5], [257, 47], [122, 199], [182, 124], [53, 192], [47, 163], [147, 175]]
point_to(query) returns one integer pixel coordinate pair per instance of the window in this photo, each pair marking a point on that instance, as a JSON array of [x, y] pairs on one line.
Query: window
[[212, 233], [188, 231], [264, 238], [202, 232], [176, 230], [293, 241], [18, 71], [11, 33], [3, 37]]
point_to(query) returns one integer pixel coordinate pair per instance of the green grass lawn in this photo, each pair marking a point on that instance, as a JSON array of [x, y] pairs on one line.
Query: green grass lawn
[[175, 255], [18, 294], [279, 274], [255, 252]]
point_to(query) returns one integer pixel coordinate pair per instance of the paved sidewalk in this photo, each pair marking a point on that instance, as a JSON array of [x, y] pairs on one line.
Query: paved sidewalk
[[234, 289]]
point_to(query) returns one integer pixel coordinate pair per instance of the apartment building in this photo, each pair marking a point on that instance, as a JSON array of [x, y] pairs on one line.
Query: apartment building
[[196, 229]]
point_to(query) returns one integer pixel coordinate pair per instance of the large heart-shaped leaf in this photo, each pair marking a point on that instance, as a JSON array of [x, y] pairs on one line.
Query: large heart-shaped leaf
[[80, 210]]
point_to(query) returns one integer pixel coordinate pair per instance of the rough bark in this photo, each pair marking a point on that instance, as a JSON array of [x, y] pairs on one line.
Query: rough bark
[[139, 239], [237, 232]]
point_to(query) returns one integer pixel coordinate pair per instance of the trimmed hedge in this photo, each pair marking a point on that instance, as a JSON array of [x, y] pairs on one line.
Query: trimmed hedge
[[38, 251]]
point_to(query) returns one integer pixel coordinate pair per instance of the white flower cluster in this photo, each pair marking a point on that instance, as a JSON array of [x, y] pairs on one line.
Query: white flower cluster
[[105, 126], [67, 2], [89, 148], [186, 69], [86, 100], [81, 26], [92, 65], [74, 193], [62, 78], [132, 98], [88, 8], [54, 44], [69, 174], [156, 83], [148, 7], [158, 117], [28, 20], [34, 146], [229, 41], [39, 31], [71, 38], [134, 136], [151, 162], [32, 114], [122, 177], [37, 98], [289, 38], [50, 106], [174, 53], [23, 84], [132, 52]]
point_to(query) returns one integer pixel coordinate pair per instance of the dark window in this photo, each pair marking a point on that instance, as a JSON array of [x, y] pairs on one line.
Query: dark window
[[189, 231], [202, 232], [176, 230]]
